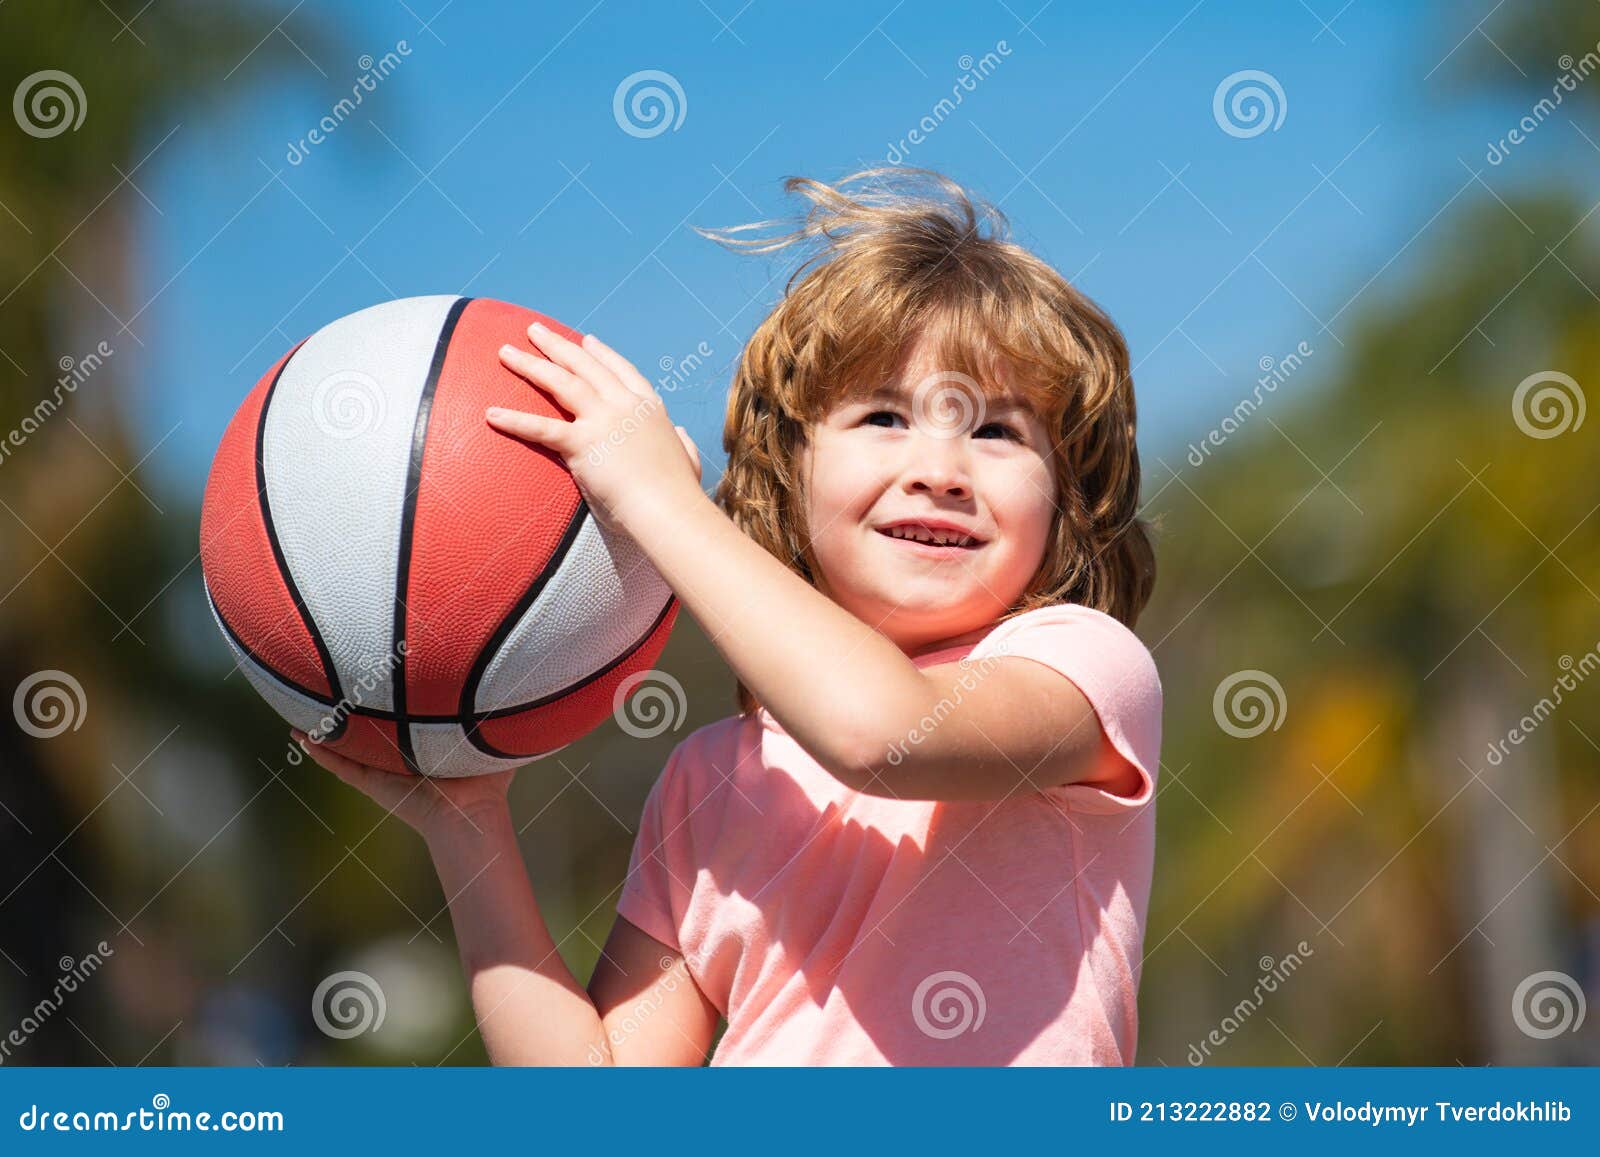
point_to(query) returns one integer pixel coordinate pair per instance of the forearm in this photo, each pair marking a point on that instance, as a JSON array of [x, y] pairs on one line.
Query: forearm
[[829, 679], [529, 1007]]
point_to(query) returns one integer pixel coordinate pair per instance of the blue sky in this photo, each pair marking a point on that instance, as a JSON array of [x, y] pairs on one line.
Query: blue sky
[[490, 161]]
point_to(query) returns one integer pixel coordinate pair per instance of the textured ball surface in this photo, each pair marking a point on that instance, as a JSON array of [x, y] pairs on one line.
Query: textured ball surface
[[397, 577]]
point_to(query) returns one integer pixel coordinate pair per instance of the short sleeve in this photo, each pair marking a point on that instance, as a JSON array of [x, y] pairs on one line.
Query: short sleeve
[[1115, 672], [656, 893]]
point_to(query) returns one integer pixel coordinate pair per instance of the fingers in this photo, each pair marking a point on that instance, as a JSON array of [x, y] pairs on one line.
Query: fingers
[[552, 432], [569, 390], [573, 357], [618, 365], [389, 789], [353, 773]]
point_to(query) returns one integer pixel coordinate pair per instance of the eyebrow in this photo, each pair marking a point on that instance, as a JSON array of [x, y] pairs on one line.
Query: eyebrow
[[1006, 404]]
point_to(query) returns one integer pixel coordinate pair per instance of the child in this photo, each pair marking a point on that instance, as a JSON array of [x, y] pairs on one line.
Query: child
[[928, 836]]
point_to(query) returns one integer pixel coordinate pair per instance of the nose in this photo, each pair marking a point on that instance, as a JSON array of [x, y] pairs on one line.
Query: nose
[[939, 467]]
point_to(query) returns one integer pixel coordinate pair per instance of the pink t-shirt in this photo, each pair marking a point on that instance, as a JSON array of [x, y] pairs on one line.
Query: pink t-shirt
[[835, 928]]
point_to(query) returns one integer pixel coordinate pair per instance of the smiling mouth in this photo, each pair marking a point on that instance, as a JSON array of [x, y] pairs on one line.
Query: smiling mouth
[[935, 537]]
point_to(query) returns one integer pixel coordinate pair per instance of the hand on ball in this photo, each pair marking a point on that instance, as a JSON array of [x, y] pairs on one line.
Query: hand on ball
[[620, 445]]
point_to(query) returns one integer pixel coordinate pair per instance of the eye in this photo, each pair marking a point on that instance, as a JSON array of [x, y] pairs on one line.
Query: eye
[[885, 418], [998, 430]]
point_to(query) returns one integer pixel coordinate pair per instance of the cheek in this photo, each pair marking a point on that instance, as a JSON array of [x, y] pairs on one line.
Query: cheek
[[1027, 510], [839, 490]]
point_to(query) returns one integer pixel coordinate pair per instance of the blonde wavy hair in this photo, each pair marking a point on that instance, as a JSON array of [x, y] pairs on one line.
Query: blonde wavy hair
[[897, 254]]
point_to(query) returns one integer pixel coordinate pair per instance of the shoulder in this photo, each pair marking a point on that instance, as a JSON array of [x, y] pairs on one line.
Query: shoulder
[[1113, 669], [707, 755], [1075, 634], [1103, 657]]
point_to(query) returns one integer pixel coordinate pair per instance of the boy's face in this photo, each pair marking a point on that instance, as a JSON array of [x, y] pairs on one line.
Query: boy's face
[[928, 457]]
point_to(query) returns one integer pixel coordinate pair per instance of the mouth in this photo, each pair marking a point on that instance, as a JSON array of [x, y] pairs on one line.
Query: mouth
[[932, 538]]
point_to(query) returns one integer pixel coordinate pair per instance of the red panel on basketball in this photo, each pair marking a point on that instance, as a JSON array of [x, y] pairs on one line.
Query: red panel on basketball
[[236, 556], [366, 739], [476, 547]]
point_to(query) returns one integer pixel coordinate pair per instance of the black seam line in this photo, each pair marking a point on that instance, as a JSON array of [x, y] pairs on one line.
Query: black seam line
[[419, 440], [470, 723], [323, 655], [467, 705], [266, 669], [487, 748]]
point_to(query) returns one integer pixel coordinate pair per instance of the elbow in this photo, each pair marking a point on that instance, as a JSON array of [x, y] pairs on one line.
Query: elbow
[[862, 761]]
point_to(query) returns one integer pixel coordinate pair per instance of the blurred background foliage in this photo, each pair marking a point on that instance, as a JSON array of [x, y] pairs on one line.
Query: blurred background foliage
[[1397, 509]]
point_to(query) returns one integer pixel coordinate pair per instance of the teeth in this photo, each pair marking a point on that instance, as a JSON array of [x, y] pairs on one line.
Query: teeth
[[934, 537]]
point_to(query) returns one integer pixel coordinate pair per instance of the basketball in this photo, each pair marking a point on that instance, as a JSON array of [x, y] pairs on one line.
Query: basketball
[[399, 580]]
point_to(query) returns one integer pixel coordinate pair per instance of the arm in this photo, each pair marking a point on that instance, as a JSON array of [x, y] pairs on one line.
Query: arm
[[642, 1008], [852, 698], [846, 693]]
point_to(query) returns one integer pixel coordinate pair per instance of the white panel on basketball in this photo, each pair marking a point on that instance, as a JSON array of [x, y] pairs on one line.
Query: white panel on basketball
[[597, 605], [336, 451], [439, 743], [299, 709]]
